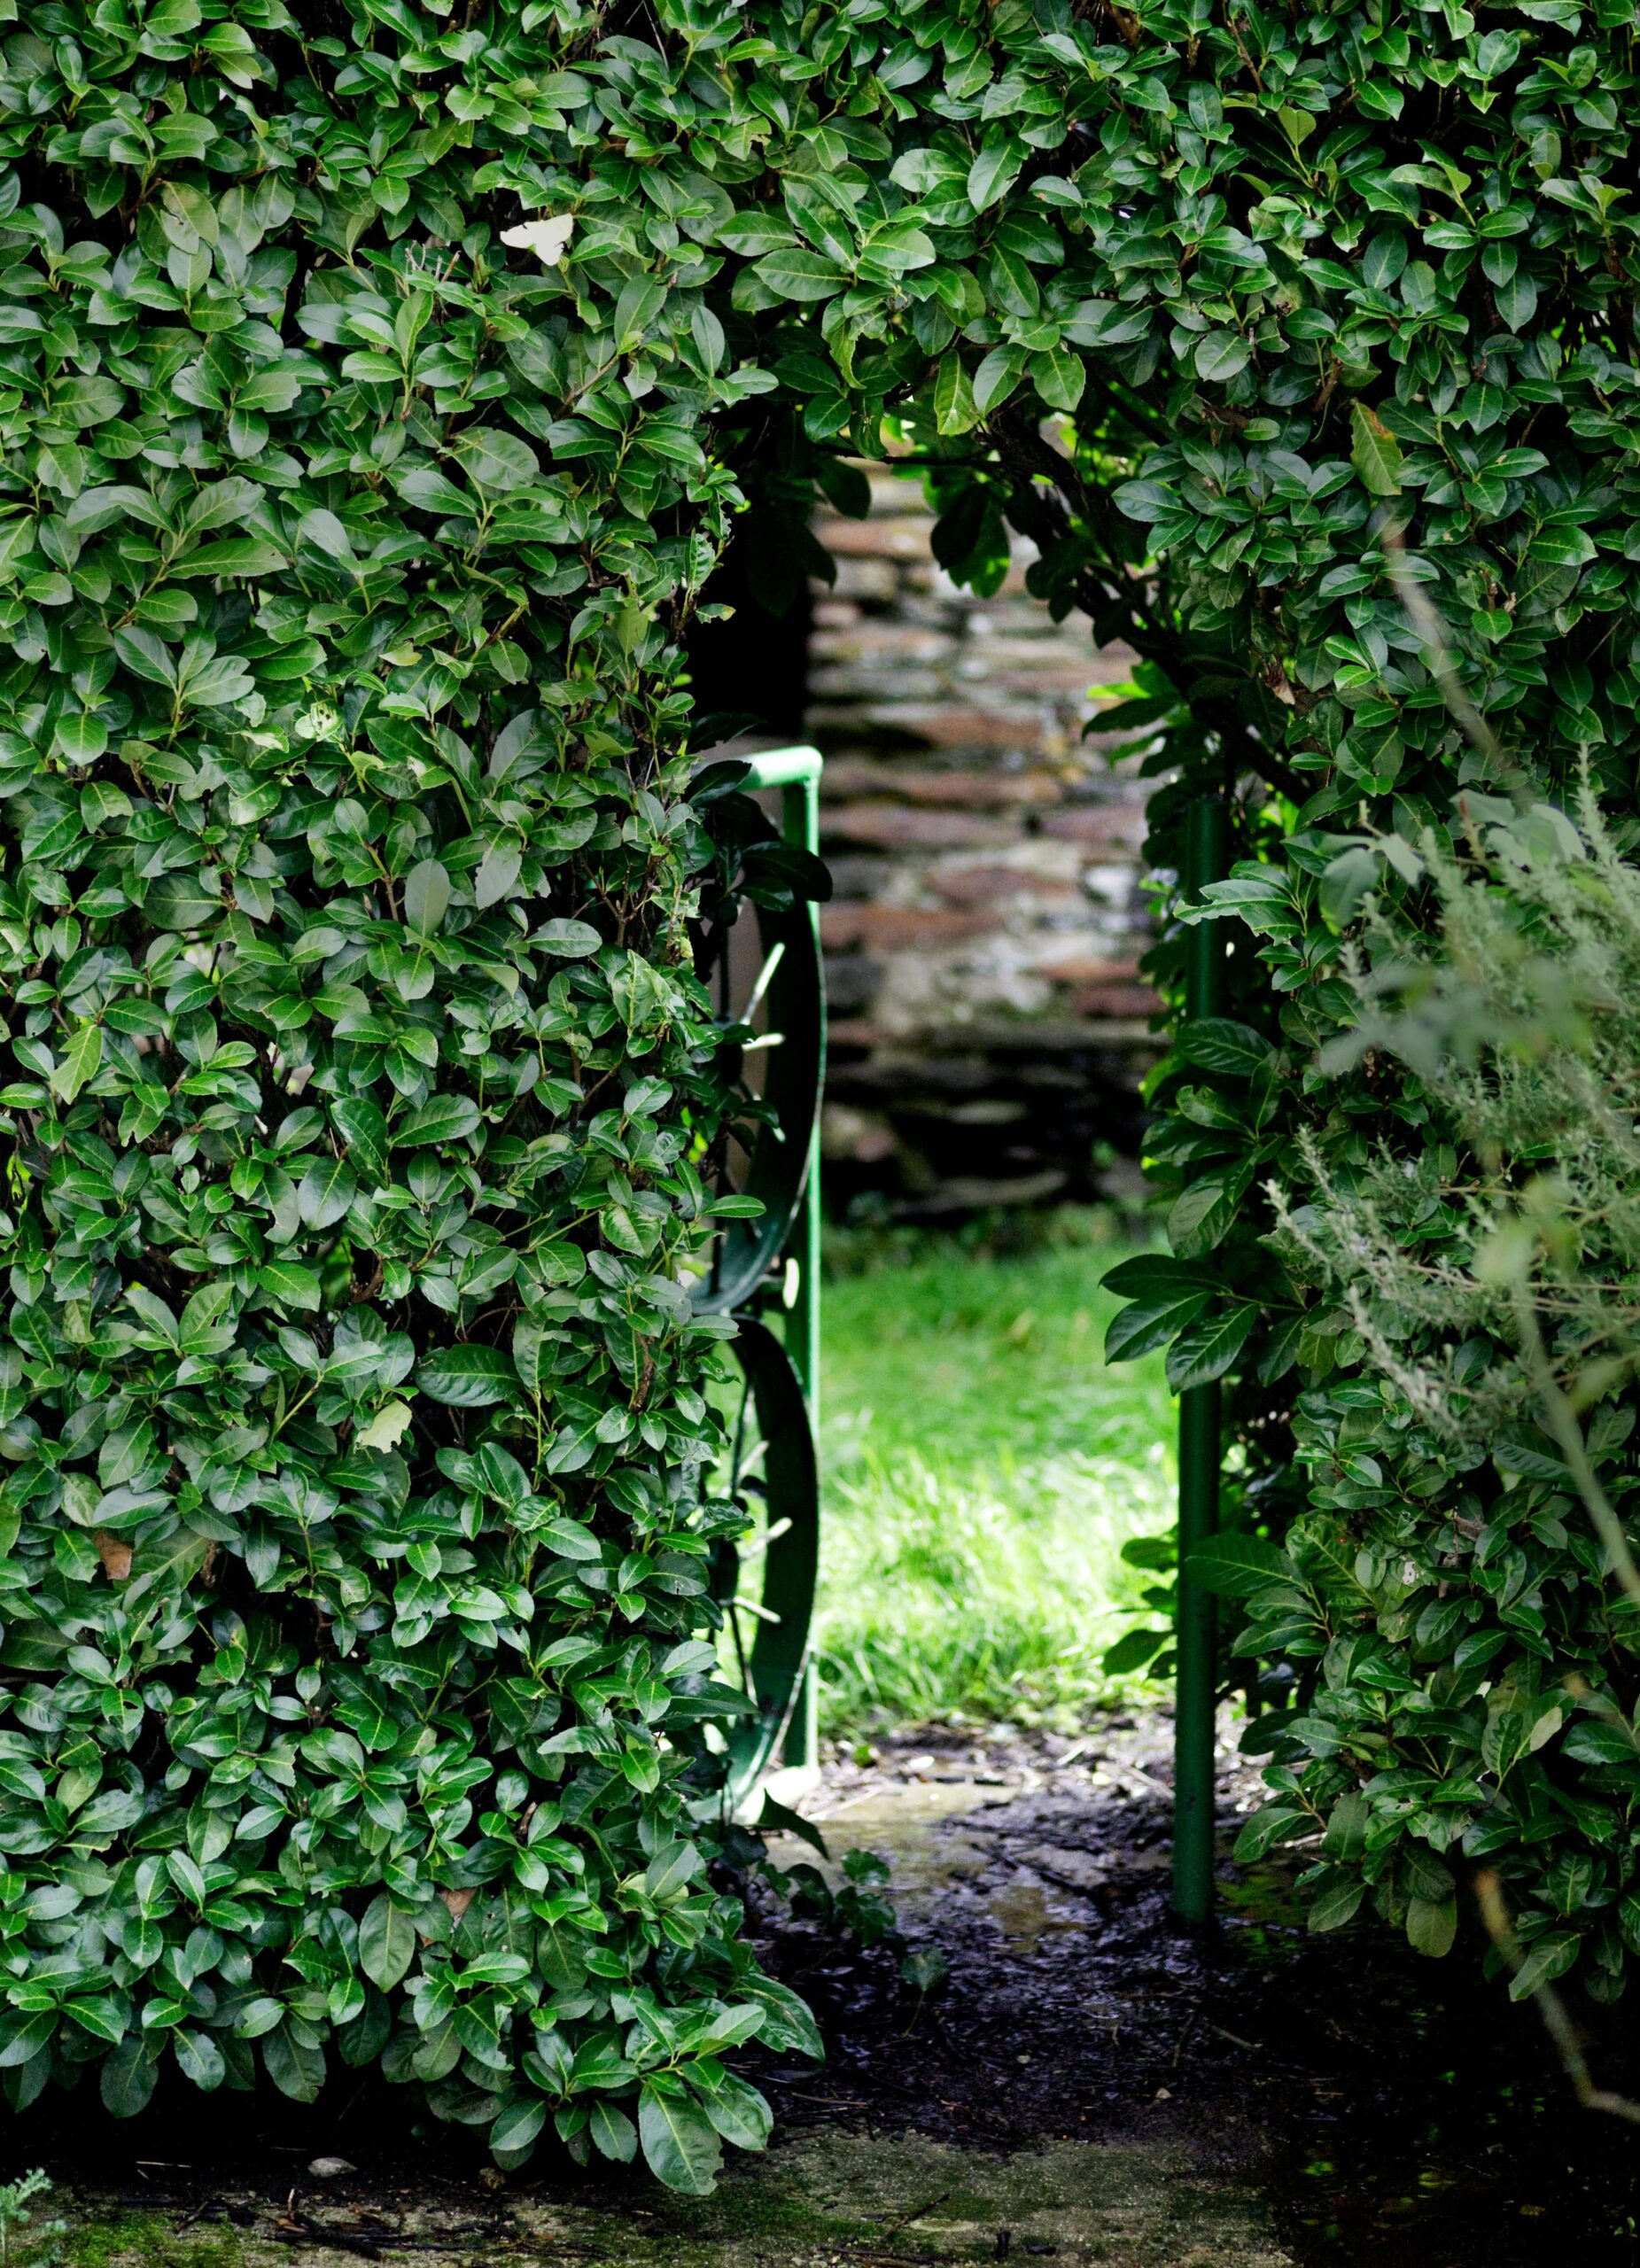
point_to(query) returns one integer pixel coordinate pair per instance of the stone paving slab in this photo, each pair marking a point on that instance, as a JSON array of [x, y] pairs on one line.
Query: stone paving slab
[[820, 2201]]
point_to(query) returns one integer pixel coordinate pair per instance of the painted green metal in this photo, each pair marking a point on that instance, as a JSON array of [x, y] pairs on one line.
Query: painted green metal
[[797, 773], [789, 987], [775, 1477], [793, 767], [1206, 842]]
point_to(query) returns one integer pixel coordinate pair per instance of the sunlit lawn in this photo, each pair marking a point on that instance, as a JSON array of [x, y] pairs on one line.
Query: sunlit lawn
[[982, 1470]]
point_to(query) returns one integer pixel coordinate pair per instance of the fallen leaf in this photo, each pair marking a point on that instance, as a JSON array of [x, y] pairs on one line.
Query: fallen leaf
[[385, 1429], [547, 238], [114, 1555]]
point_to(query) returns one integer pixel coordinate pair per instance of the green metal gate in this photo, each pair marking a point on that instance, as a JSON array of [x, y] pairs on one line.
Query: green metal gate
[[765, 1272]]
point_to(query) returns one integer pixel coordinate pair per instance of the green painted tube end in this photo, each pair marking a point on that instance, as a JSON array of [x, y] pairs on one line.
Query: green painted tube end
[[784, 768]]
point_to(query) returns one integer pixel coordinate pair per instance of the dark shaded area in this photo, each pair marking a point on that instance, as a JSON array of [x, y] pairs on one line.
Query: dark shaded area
[[1401, 2112], [755, 664], [1032, 1113]]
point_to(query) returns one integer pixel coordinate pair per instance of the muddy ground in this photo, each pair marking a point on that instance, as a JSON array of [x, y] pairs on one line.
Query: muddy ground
[[1088, 2085]]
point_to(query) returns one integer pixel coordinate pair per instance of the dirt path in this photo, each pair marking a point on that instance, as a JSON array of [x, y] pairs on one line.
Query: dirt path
[[1088, 2086]]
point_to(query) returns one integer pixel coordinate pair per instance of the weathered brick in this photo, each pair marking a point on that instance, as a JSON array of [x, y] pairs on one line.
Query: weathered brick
[[868, 579], [899, 926], [860, 873], [864, 1136], [1114, 1000], [1105, 825], [902, 537], [900, 826], [861, 640], [972, 724], [983, 945], [1089, 971], [855, 682], [852, 984], [1066, 677], [849, 778], [1036, 861], [895, 1072], [996, 885], [1053, 1034]]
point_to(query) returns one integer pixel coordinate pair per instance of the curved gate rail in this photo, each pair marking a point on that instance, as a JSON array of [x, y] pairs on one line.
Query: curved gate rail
[[767, 1582], [767, 1270]]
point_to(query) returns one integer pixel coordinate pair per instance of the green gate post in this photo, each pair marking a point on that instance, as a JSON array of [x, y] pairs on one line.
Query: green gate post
[[1207, 836], [795, 772]]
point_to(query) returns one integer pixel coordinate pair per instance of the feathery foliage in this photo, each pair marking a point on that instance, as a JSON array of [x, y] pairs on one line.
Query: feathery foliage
[[1460, 1592]]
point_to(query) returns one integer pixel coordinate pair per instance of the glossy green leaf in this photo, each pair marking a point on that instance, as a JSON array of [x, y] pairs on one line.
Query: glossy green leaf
[[468, 1378], [1237, 1565], [800, 275], [445, 1118], [81, 1058], [1208, 1346], [680, 2145], [1374, 452], [426, 895], [291, 1284], [386, 1942]]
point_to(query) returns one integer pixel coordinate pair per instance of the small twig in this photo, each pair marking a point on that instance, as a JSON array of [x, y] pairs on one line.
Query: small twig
[[1550, 2007], [1064, 1882], [296, 2228], [1432, 634], [1253, 2046], [1147, 1781], [905, 2220], [1569, 1434]]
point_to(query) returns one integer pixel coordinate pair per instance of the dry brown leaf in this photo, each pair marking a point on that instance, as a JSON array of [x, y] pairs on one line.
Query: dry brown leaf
[[114, 1554]]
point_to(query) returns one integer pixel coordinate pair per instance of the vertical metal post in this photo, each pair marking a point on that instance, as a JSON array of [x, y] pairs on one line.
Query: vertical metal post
[[1207, 836], [800, 825]]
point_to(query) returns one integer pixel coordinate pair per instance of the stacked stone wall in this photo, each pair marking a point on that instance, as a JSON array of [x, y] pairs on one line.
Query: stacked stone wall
[[989, 1026]]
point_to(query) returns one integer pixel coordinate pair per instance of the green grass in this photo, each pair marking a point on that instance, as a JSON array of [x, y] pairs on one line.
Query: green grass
[[982, 1470]]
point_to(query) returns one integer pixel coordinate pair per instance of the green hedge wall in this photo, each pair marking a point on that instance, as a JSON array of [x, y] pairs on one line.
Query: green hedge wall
[[352, 1610], [1303, 347], [354, 1674]]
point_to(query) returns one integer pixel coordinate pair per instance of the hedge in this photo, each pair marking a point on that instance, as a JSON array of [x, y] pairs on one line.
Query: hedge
[[378, 385], [357, 1659], [1477, 1632]]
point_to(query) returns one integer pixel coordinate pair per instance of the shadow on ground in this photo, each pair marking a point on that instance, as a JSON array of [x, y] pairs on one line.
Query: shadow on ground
[[1088, 2086]]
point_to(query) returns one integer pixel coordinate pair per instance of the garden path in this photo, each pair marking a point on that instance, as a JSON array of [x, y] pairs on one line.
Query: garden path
[[1088, 2086]]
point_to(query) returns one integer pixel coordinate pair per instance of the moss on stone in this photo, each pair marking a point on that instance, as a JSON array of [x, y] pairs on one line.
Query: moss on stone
[[815, 2203]]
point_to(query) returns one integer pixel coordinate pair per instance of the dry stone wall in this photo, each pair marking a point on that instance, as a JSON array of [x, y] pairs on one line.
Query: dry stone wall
[[989, 1026]]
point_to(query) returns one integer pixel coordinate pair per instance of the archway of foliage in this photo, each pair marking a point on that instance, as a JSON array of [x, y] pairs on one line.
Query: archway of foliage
[[354, 1692], [1339, 309]]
